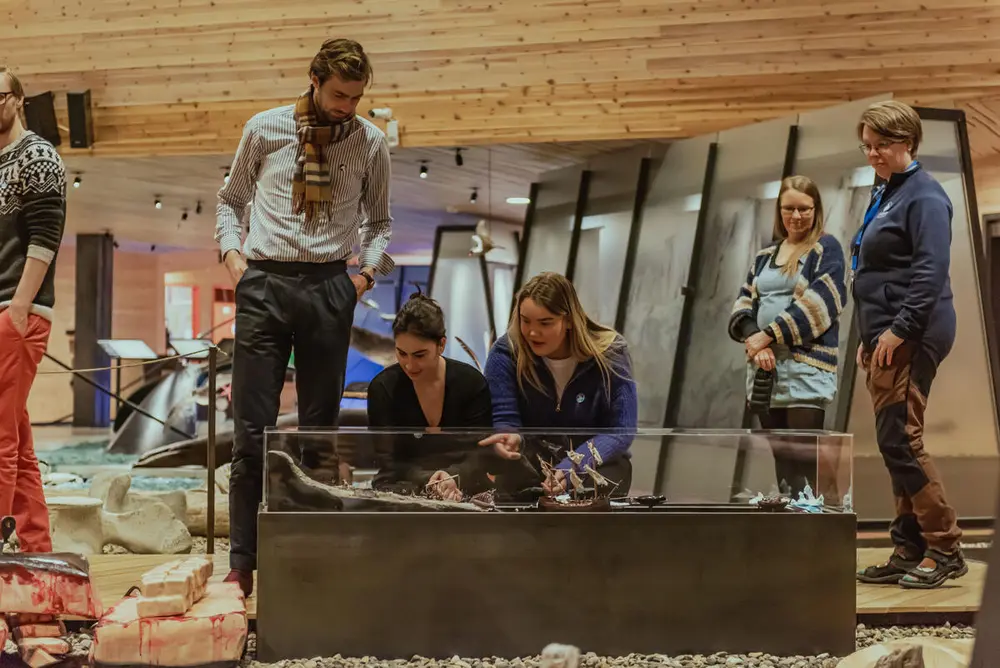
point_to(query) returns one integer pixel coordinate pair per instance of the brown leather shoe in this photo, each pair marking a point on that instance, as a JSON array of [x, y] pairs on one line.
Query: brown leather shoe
[[243, 578]]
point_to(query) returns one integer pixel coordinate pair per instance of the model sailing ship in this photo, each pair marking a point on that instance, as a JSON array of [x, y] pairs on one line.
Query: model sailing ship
[[577, 497]]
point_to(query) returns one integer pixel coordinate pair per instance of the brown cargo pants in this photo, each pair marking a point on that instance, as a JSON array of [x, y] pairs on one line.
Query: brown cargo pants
[[899, 394]]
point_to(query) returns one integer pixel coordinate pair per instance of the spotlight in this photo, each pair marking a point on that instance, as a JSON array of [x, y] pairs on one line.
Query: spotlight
[[423, 169], [197, 209], [458, 157], [184, 216], [157, 203], [225, 179], [474, 196], [518, 200], [77, 182]]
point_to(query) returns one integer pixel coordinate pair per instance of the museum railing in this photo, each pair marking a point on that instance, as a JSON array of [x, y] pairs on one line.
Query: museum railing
[[360, 469]]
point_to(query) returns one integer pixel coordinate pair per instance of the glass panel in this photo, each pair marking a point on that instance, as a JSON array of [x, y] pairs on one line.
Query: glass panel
[[607, 221], [740, 222], [662, 262], [458, 288], [352, 469], [552, 227], [828, 153]]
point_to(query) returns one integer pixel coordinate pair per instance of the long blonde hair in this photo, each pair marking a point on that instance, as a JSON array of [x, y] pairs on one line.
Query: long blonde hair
[[587, 339], [806, 186]]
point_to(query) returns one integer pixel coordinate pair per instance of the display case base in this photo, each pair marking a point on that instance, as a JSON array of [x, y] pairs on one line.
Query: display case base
[[395, 585]]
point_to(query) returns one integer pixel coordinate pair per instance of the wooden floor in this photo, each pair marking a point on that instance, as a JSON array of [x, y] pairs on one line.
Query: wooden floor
[[113, 575], [955, 596]]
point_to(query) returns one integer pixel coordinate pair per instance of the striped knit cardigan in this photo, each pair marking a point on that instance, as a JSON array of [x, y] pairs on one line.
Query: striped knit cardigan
[[809, 326]]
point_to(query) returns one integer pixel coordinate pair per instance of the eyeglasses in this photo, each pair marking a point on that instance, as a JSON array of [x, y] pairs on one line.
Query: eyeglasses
[[802, 210], [4, 95], [880, 147]]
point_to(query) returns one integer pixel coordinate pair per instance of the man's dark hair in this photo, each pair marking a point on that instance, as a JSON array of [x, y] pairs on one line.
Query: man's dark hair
[[343, 57]]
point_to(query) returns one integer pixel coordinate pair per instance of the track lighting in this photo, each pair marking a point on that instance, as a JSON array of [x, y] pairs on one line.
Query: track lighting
[[157, 203], [423, 169], [458, 157], [197, 209], [76, 182], [474, 196], [184, 216], [225, 179]]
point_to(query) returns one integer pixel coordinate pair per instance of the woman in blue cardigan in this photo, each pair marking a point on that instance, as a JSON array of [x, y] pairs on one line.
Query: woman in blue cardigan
[[787, 316], [557, 369]]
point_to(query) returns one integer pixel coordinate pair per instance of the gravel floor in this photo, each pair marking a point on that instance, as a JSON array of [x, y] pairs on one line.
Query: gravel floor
[[199, 545], [866, 637]]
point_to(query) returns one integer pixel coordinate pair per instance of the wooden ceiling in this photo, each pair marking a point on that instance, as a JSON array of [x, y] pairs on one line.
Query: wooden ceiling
[[117, 195], [173, 77]]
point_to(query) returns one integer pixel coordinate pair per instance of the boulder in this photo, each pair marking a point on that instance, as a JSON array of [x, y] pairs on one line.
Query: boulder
[[218, 621], [143, 525], [76, 524], [918, 652], [47, 584]]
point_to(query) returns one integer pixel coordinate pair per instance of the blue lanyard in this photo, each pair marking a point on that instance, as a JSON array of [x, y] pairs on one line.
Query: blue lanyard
[[873, 209]]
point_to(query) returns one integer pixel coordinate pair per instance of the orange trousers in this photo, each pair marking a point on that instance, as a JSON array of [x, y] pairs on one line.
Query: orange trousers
[[21, 492]]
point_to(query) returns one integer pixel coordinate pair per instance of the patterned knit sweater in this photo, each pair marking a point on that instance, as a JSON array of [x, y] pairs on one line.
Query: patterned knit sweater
[[809, 326], [32, 215]]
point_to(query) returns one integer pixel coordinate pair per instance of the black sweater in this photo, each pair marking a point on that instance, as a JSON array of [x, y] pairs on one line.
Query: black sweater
[[393, 404], [32, 215]]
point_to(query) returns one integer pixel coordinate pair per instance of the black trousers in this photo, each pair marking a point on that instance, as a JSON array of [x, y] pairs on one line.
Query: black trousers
[[795, 463], [281, 305]]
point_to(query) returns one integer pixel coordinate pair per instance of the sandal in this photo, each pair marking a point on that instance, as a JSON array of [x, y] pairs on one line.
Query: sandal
[[890, 572], [946, 566]]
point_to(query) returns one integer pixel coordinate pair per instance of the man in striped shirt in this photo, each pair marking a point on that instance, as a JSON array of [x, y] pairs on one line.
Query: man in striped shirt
[[316, 178]]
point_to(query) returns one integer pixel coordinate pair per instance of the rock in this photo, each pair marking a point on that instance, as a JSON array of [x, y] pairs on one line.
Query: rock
[[197, 513], [560, 656], [47, 584], [143, 525], [76, 524], [929, 652], [219, 621]]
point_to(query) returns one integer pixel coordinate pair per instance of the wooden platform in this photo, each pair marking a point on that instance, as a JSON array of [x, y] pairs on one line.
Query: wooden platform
[[955, 596], [114, 574]]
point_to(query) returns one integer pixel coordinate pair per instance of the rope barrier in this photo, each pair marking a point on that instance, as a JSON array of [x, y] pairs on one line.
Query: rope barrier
[[128, 366]]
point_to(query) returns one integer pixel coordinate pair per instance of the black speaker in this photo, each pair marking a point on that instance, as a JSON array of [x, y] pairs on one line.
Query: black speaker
[[81, 123], [40, 117]]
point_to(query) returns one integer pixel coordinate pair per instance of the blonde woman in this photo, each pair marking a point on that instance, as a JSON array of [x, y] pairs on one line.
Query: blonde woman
[[556, 368], [787, 316]]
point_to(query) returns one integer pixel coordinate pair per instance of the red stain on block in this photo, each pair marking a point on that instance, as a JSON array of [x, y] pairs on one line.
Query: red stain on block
[[213, 630], [47, 592]]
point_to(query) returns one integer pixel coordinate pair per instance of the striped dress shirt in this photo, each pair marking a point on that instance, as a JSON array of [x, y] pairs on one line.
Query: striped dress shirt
[[261, 179]]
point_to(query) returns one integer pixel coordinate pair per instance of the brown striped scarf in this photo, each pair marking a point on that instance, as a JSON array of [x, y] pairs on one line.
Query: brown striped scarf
[[311, 185]]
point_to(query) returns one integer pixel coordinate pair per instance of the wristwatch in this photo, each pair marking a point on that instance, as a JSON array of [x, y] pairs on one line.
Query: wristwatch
[[369, 278]]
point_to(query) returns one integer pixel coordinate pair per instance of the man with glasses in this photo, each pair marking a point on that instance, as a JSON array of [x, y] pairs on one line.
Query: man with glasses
[[32, 217]]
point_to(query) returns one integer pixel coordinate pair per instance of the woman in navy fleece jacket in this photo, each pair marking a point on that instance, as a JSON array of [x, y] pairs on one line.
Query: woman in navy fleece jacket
[[557, 369], [906, 321]]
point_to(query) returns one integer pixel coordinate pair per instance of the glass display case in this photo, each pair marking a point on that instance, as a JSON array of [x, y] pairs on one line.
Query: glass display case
[[359, 470], [400, 543]]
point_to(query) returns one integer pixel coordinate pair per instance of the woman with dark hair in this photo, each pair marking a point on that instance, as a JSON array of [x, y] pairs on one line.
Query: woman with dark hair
[[556, 368], [427, 391], [787, 317], [906, 321]]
